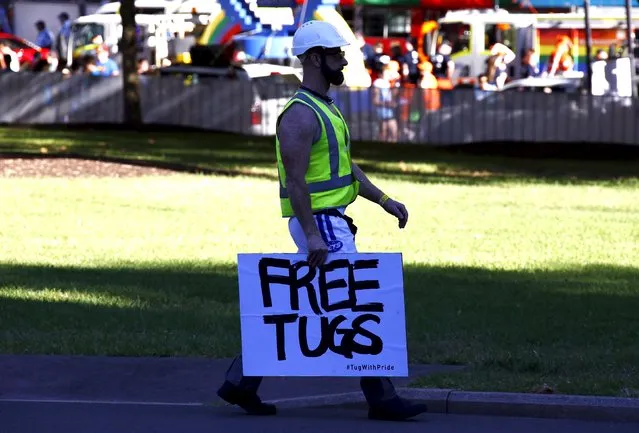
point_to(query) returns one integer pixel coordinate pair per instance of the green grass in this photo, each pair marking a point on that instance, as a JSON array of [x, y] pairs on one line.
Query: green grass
[[526, 271]]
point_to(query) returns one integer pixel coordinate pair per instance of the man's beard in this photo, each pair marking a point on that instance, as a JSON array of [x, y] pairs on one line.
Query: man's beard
[[334, 77]]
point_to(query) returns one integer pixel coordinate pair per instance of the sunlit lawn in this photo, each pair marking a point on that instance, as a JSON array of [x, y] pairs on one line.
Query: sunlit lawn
[[525, 271]]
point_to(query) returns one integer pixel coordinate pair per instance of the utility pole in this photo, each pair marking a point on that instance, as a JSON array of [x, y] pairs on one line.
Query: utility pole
[[631, 46], [82, 7], [358, 18], [303, 13], [588, 46]]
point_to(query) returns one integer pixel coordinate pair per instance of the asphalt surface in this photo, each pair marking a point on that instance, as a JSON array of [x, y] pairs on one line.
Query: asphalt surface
[[38, 417], [151, 379], [69, 394]]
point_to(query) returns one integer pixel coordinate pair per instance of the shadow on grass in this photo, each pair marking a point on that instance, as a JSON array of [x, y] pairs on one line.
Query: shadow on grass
[[569, 330], [466, 166], [163, 310], [230, 154], [524, 321], [465, 314]]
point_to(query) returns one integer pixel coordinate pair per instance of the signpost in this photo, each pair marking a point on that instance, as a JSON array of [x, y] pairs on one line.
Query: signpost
[[631, 46], [588, 46]]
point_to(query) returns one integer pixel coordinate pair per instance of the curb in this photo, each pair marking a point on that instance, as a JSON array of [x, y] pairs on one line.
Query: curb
[[449, 401], [347, 399]]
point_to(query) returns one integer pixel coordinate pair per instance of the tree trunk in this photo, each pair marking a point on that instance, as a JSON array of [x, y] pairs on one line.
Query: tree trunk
[[128, 49]]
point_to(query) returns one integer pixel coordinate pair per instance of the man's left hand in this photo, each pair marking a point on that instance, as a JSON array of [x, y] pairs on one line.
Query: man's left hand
[[398, 210]]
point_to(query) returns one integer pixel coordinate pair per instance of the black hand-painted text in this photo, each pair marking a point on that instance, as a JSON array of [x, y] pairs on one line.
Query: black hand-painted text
[[320, 303]]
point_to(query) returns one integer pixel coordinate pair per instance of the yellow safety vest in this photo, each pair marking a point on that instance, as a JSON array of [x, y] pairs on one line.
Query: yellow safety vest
[[329, 177]]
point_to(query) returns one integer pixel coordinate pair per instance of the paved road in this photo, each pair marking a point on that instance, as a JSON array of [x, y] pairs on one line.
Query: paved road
[[38, 417], [154, 379]]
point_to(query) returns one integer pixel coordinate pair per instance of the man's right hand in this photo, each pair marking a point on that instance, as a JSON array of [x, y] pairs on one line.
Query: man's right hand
[[317, 250]]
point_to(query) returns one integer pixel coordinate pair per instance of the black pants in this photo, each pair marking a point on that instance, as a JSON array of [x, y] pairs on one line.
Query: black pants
[[376, 389]]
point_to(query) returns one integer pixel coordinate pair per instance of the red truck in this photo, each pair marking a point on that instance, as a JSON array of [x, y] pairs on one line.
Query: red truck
[[25, 50]]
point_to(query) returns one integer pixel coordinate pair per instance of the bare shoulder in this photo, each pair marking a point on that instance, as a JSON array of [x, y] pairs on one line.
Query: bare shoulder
[[299, 122]]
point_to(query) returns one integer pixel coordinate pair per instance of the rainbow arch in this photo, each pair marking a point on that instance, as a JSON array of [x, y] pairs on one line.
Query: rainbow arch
[[236, 17], [220, 30]]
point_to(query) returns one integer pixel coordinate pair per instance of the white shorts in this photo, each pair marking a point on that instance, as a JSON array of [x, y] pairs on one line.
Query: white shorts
[[334, 231]]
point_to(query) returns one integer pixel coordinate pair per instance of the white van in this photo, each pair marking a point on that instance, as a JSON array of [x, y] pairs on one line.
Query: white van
[[255, 106], [160, 24]]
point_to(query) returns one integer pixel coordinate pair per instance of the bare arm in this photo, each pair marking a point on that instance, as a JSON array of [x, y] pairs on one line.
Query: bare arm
[[450, 71], [296, 132], [370, 192], [510, 56], [555, 62], [366, 187], [376, 97]]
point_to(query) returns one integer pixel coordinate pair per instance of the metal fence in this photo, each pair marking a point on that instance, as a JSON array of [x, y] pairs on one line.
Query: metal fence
[[251, 107]]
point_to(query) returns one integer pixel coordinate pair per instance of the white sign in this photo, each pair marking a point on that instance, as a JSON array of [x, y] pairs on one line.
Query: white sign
[[345, 318]]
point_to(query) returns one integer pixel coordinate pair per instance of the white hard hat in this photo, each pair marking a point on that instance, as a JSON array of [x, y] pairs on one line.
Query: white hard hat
[[316, 34]]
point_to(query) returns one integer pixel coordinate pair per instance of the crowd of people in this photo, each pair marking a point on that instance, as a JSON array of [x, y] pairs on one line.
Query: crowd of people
[[52, 53], [54, 49], [411, 70], [396, 74]]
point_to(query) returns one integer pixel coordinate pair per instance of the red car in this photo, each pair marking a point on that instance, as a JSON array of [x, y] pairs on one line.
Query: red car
[[26, 50]]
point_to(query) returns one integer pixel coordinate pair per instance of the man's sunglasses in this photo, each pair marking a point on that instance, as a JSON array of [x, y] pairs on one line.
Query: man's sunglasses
[[333, 52]]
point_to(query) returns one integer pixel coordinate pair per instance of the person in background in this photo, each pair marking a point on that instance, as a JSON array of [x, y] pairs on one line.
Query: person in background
[[105, 66], [97, 40], [396, 76], [561, 60], [45, 38], [62, 39], [430, 88], [89, 65], [443, 70], [385, 104], [45, 64], [397, 55], [443, 66], [484, 85], [529, 64], [403, 94], [483, 88], [410, 70], [367, 51], [500, 57], [378, 62]]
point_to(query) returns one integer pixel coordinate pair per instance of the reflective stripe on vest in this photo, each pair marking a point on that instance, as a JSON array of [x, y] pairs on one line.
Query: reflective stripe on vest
[[333, 150]]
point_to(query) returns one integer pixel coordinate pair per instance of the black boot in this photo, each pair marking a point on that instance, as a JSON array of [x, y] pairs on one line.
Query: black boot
[[396, 409], [247, 400]]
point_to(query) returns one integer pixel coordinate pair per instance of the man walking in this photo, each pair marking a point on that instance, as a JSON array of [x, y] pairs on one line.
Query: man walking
[[317, 181], [62, 39], [44, 39]]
